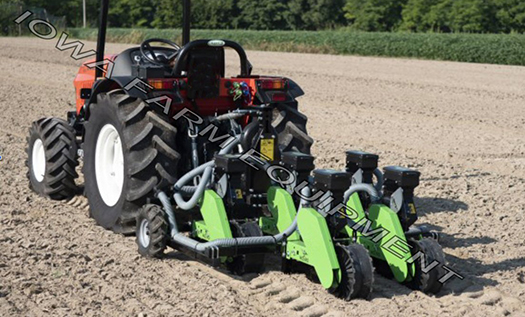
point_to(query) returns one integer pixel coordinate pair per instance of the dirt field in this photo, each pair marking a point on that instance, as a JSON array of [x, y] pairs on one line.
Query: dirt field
[[461, 125]]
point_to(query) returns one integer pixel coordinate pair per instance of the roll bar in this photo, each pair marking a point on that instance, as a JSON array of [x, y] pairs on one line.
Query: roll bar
[[103, 24], [101, 39]]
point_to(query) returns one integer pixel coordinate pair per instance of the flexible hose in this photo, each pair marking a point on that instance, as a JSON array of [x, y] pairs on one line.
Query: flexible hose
[[206, 169], [188, 242], [380, 179], [188, 190], [166, 203], [305, 192], [374, 196], [232, 242]]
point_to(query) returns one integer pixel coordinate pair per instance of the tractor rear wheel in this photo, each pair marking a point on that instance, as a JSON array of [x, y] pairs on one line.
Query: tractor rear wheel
[[290, 125], [52, 158], [128, 152]]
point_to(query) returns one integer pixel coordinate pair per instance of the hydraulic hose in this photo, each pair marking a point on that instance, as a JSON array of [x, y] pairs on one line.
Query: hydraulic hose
[[374, 196]]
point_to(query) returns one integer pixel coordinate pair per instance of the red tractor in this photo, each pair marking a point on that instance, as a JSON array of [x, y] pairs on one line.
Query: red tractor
[[125, 126]]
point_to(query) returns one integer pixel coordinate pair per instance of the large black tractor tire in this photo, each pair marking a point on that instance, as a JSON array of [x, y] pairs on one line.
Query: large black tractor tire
[[290, 125], [357, 272], [52, 158], [426, 278], [152, 231], [147, 160], [246, 263]]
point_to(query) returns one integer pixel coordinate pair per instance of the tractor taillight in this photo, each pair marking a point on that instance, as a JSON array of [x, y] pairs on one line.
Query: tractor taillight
[[273, 84], [162, 84]]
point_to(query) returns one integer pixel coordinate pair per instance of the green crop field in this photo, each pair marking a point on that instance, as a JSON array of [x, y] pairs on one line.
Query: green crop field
[[507, 49]]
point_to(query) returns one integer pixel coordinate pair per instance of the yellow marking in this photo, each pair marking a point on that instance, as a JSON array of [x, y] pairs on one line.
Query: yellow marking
[[412, 208], [238, 193], [267, 148]]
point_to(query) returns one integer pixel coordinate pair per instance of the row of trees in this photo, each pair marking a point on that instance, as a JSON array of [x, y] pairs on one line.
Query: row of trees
[[480, 16], [368, 15]]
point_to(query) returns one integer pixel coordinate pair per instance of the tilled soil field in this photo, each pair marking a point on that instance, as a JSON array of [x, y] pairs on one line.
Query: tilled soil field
[[461, 125]]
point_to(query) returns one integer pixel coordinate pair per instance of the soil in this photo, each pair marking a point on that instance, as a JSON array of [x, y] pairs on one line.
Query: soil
[[460, 124]]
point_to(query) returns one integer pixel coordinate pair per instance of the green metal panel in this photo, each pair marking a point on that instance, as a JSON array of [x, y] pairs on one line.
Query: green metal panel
[[214, 216], [396, 254], [268, 225], [296, 250], [385, 240], [200, 230], [319, 246], [388, 243], [282, 208]]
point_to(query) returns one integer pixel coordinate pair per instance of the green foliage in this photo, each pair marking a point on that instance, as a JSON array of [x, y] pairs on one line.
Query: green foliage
[[417, 15], [471, 16], [262, 15], [131, 13], [374, 15], [510, 15], [476, 48]]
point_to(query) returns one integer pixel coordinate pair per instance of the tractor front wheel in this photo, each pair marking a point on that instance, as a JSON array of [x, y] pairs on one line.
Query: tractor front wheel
[[52, 158]]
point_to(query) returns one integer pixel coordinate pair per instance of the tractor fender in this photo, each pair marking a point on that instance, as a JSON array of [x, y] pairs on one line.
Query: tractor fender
[[100, 86], [131, 85], [294, 89]]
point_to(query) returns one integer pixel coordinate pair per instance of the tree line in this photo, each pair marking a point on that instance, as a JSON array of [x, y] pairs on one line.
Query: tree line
[[474, 16]]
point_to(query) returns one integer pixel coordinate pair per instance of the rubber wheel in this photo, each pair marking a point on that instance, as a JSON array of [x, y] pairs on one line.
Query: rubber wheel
[[382, 268], [246, 263], [129, 151], [427, 282], [52, 158], [357, 272], [290, 125], [152, 231]]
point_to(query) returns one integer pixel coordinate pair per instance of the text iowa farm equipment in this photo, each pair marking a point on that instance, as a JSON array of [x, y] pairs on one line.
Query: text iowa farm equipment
[[220, 168]]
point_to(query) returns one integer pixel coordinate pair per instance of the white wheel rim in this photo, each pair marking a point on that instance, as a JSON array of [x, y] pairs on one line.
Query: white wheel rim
[[38, 160], [144, 233], [109, 165]]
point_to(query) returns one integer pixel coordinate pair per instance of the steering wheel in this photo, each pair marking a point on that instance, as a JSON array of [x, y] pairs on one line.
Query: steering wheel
[[146, 48]]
